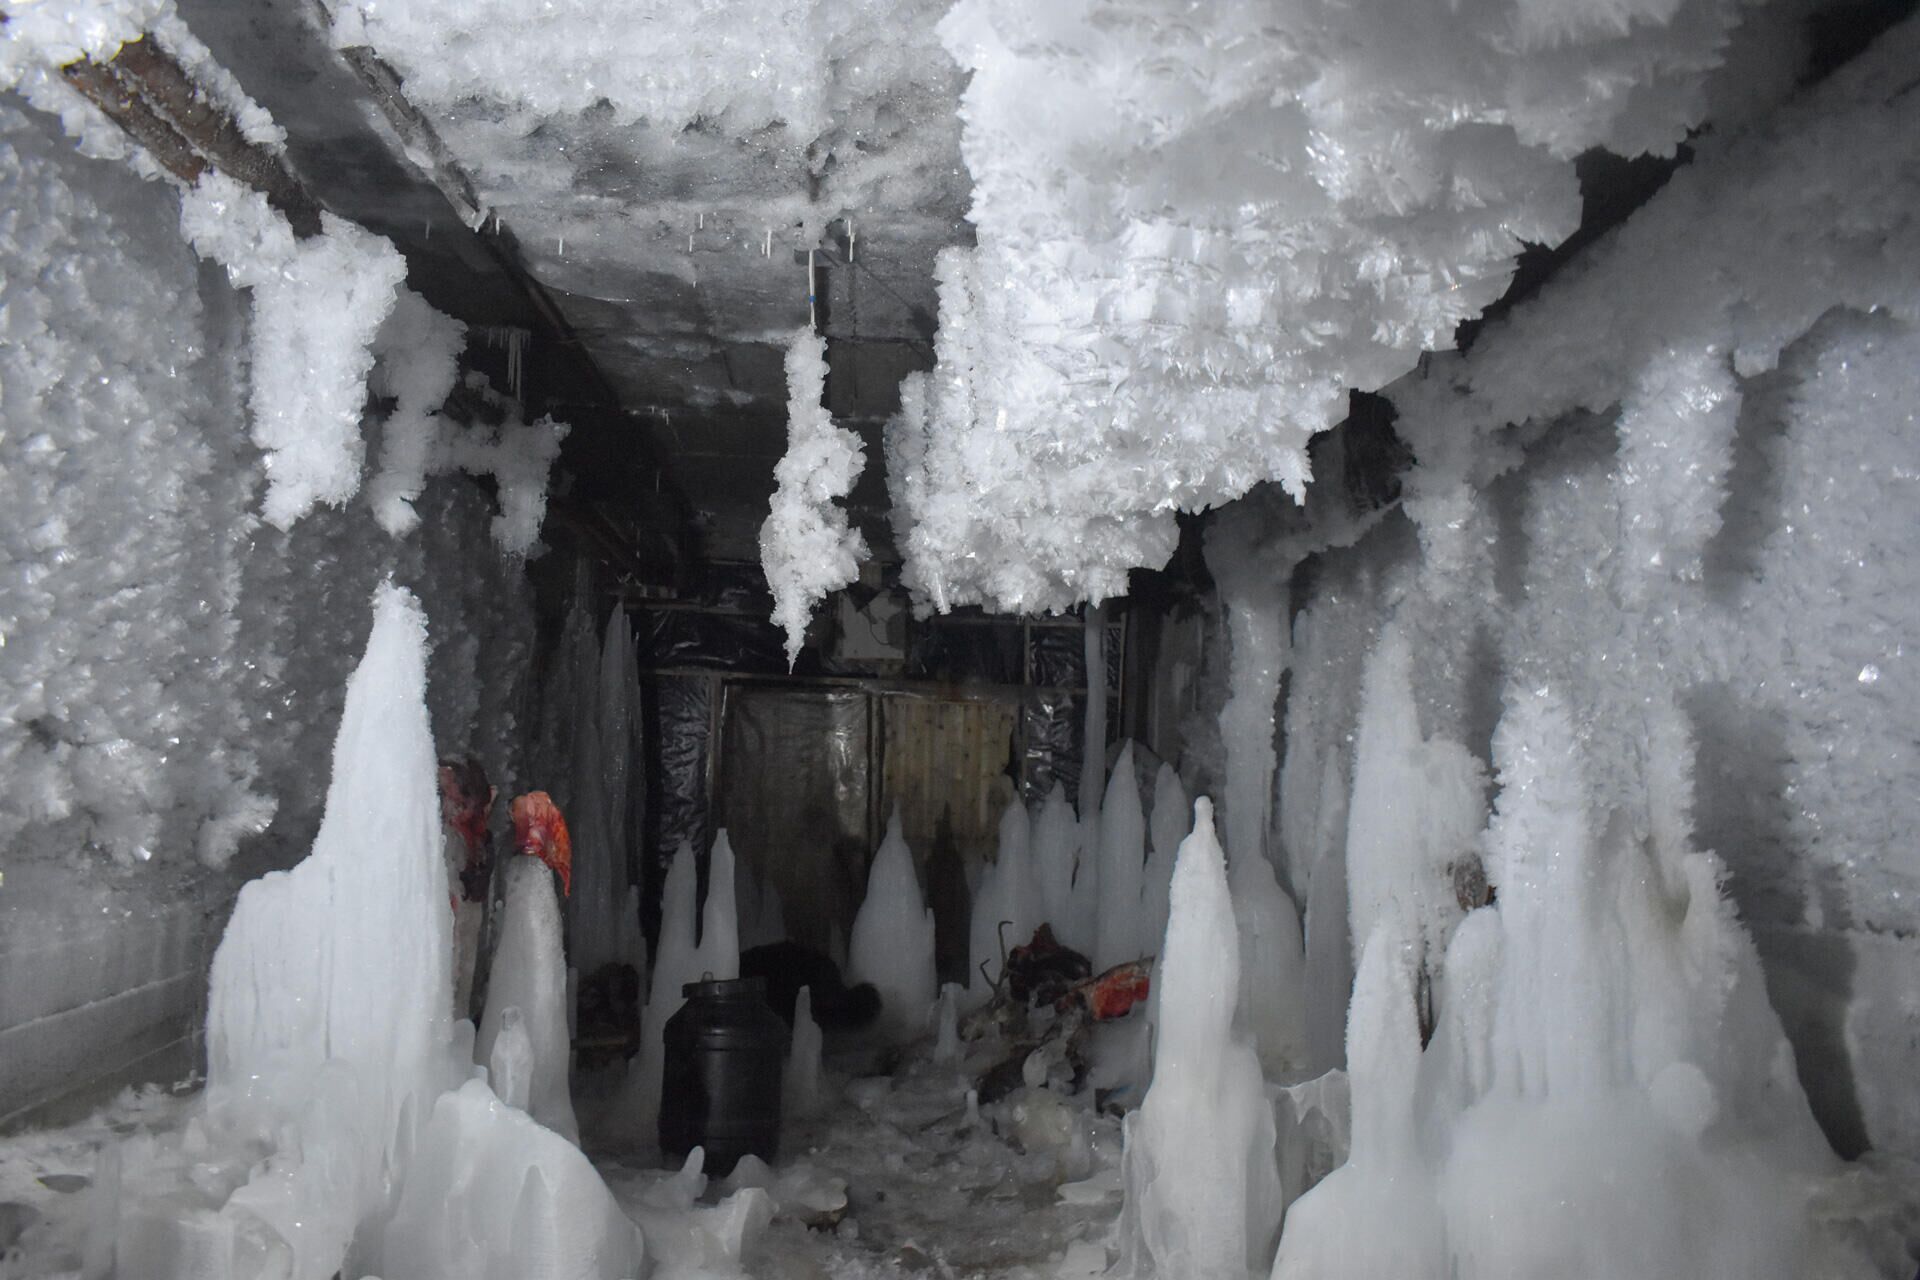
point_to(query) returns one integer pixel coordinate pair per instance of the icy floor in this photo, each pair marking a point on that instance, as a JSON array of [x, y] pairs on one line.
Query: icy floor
[[929, 1192]]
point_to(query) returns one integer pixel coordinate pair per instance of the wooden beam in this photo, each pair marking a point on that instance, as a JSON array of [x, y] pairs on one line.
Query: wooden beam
[[153, 99]]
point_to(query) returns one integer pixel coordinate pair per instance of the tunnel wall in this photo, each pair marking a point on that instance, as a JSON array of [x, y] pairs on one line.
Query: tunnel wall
[[173, 668]]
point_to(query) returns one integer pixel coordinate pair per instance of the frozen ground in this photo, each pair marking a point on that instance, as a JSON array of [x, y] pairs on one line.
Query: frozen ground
[[929, 1192]]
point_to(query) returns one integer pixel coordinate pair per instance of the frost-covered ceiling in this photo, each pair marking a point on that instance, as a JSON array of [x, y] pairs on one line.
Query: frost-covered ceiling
[[1196, 233], [662, 201]]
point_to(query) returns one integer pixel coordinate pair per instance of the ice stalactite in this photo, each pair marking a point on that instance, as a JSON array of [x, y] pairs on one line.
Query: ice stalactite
[[1122, 862], [1007, 907], [318, 305], [529, 977], [519, 455], [892, 941], [806, 547], [1203, 1195]]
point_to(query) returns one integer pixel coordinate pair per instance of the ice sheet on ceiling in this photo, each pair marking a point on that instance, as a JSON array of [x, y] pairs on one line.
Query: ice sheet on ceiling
[[1155, 319]]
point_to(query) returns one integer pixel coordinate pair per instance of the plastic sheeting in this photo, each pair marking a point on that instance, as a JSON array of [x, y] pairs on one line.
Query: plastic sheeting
[[678, 742], [794, 794]]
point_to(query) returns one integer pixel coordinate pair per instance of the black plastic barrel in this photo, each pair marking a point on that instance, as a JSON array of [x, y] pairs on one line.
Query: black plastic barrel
[[720, 1088]]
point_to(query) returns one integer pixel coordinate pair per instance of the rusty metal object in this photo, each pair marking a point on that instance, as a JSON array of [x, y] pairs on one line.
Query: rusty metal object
[[153, 99]]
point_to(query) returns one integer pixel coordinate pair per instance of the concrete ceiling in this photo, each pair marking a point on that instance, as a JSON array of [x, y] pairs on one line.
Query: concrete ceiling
[[676, 261]]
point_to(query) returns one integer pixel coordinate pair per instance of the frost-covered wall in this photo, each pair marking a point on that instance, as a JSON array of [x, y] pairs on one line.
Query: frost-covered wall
[[171, 666], [1677, 492]]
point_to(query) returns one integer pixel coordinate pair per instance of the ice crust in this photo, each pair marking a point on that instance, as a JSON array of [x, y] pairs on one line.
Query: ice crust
[[1145, 325], [806, 547]]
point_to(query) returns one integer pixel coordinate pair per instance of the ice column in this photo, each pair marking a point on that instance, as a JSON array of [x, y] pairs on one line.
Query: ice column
[[892, 943], [1202, 1182]]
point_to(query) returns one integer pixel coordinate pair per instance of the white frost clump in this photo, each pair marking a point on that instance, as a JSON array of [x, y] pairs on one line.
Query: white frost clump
[[519, 456], [806, 547], [1153, 321], [317, 304], [419, 351], [667, 64]]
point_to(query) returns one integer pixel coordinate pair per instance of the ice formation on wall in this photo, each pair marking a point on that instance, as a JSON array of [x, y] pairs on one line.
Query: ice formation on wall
[[892, 941], [134, 551], [1203, 1196], [1759, 588], [1608, 1092], [317, 305], [519, 455], [1143, 328], [806, 547]]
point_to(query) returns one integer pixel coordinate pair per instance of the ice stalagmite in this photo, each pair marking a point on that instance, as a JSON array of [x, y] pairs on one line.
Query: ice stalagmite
[[1166, 828], [1415, 817], [492, 1195], [676, 962], [1202, 1184], [1009, 896], [719, 951], [1056, 841], [530, 974], [1376, 1214], [1122, 867], [328, 1019], [801, 1084], [892, 942]]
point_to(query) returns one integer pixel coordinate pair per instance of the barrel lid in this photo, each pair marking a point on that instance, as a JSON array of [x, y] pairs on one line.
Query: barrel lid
[[713, 988]]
